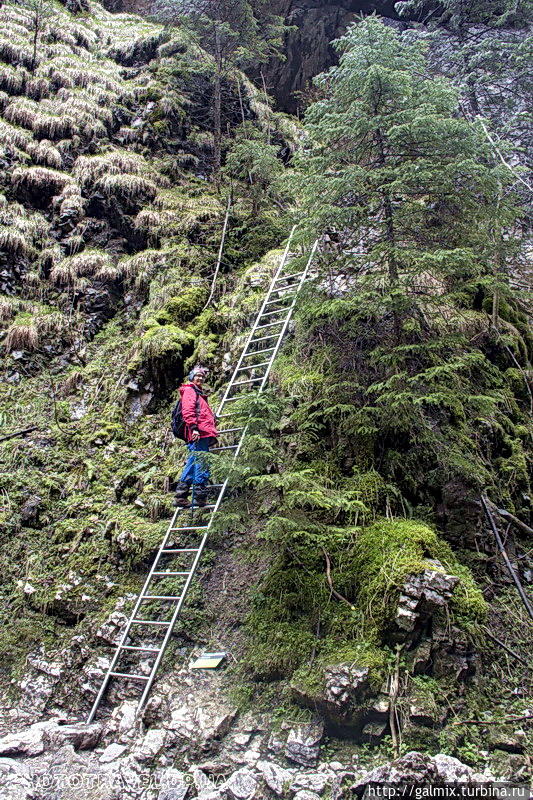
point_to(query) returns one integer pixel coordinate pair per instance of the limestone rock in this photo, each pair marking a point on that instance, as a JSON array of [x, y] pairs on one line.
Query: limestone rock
[[204, 785], [242, 785], [303, 744], [421, 595], [201, 722], [173, 785], [276, 778], [151, 746], [30, 742], [313, 781], [419, 768], [15, 781], [112, 629], [79, 735], [112, 752], [305, 794], [29, 513], [345, 684]]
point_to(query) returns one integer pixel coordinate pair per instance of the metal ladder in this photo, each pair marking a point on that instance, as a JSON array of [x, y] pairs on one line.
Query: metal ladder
[[178, 562]]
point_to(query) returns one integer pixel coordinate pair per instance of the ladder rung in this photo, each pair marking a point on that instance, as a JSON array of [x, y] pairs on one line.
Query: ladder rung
[[241, 383], [237, 397], [270, 324], [148, 622], [160, 597], [129, 675], [263, 350], [254, 366], [227, 447], [269, 313], [230, 430], [262, 339], [171, 573], [135, 647], [290, 277], [214, 486], [283, 289], [190, 528], [180, 549]]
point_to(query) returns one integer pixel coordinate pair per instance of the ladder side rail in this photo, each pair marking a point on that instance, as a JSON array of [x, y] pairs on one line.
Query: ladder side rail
[[187, 584], [250, 336], [289, 315], [132, 616]]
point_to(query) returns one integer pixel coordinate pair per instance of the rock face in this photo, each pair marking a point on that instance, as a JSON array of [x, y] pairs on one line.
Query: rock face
[[418, 768], [308, 49], [421, 596], [303, 744]]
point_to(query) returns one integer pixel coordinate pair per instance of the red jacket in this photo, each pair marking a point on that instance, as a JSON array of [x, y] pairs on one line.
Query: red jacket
[[205, 421]]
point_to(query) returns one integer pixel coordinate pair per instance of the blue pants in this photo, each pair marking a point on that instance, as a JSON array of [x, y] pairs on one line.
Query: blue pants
[[196, 469]]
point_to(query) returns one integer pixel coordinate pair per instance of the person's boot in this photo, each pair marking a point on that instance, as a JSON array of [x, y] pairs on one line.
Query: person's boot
[[182, 495], [200, 496]]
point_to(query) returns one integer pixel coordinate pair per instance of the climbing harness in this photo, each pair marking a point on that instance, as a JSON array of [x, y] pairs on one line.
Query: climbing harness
[[156, 609]]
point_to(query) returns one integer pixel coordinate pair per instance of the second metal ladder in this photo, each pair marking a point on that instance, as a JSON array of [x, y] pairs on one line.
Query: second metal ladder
[[161, 599]]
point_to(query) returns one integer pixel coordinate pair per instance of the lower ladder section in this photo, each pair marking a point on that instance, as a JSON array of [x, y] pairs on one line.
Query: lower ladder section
[[145, 638]]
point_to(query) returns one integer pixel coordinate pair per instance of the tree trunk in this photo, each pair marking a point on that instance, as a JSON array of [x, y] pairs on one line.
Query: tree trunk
[[217, 109], [36, 23]]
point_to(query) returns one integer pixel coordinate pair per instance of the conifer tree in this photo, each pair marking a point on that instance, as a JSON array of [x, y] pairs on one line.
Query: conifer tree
[[389, 164], [39, 12], [253, 162], [236, 33]]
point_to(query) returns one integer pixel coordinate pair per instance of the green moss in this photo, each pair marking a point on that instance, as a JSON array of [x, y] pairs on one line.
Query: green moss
[[183, 308], [388, 551], [160, 341]]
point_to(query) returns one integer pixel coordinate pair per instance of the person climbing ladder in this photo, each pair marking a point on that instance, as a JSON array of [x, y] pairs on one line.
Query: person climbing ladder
[[200, 434]]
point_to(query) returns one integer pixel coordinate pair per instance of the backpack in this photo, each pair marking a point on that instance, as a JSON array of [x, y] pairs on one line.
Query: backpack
[[178, 424]]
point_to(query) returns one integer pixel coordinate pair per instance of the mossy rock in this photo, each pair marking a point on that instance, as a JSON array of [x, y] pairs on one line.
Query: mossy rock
[[183, 308]]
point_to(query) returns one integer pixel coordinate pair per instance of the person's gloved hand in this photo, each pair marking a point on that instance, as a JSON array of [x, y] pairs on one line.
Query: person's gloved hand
[[195, 435]]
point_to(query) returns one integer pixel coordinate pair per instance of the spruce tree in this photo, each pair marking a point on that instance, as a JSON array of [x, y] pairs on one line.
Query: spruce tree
[[390, 167], [236, 33]]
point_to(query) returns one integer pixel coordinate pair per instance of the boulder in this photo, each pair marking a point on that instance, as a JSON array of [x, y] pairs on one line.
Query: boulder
[[276, 778], [303, 744], [50, 735], [313, 781], [15, 781], [242, 785], [305, 794], [112, 629], [111, 752], [29, 743], [421, 595], [80, 735], [417, 769], [174, 785], [200, 722], [151, 746], [204, 785]]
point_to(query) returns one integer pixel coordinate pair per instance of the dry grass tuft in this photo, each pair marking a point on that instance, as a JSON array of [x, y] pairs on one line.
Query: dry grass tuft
[[89, 263], [14, 136], [9, 308], [21, 337], [21, 230], [138, 270], [13, 79], [41, 179], [44, 152]]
